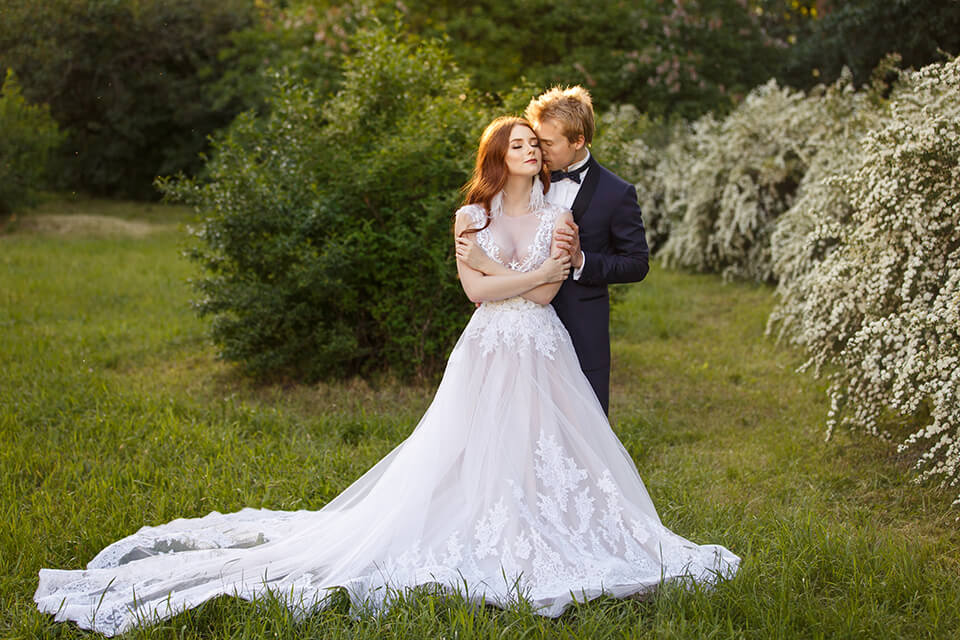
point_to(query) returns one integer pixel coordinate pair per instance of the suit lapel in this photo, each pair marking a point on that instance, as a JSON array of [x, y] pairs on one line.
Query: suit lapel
[[582, 202]]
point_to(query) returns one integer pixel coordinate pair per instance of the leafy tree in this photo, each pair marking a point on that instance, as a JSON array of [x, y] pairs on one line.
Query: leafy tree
[[129, 80], [857, 34], [28, 136], [309, 38], [677, 57]]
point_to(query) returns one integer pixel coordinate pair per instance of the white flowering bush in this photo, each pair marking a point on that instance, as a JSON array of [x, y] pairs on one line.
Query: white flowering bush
[[813, 226], [725, 186], [883, 303], [621, 146], [849, 201], [728, 185]]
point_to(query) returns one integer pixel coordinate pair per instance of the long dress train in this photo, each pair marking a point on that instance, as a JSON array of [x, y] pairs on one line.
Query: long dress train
[[512, 485]]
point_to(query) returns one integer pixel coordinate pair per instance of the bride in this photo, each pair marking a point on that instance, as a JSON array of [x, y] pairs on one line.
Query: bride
[[513, 484]]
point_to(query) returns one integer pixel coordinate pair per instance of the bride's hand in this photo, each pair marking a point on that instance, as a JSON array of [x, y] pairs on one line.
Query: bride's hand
[[556, 268], [469, 253]]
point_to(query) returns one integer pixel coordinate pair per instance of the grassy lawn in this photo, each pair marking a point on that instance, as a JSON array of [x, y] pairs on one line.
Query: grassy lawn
[[115, 413]]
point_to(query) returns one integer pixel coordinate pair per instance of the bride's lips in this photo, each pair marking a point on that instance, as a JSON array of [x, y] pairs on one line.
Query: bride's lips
[[531, 160]]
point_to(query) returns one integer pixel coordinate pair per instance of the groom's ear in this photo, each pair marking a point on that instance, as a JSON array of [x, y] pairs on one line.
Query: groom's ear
[[579, 142]]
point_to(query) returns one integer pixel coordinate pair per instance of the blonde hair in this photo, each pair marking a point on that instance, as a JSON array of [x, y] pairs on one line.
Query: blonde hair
[[571, 107]]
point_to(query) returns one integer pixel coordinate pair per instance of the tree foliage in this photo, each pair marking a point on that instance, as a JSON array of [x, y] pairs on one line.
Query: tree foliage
[[28, 136], [325, 238], [678, 57], [307, 39], [858, 34], [139, 86], [127, 80]]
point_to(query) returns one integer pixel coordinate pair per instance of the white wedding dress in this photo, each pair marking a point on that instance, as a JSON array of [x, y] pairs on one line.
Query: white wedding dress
[[512, 485]]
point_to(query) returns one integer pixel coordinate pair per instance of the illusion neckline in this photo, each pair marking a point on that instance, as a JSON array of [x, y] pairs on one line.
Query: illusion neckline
[[537, 202]]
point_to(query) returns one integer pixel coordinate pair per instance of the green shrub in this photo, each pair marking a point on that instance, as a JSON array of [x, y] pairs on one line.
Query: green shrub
[[325, 239], [27, 135]]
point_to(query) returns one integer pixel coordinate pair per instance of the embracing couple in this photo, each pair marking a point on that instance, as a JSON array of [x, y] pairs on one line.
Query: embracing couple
[[512, 485], [604, 239]]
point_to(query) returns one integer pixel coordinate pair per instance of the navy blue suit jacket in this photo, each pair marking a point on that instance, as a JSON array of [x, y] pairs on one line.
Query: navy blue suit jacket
[[615, 250]]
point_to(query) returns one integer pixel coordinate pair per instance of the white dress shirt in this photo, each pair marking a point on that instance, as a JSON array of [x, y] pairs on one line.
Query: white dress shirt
[[564, 192]]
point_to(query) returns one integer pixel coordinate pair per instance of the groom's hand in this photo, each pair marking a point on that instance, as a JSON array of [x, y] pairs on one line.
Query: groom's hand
[[568, 238]]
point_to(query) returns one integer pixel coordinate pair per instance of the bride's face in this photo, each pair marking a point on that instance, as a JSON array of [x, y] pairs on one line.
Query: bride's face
[[523, 153]]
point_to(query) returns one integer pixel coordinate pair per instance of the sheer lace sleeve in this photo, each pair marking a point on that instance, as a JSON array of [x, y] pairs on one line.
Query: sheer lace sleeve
[[474, 213], [477, 216]]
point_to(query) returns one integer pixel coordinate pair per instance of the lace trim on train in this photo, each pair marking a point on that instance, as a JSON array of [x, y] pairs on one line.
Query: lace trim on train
[[217, 531], [609, 550]]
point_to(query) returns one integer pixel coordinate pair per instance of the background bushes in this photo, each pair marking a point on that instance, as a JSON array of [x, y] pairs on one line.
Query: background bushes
[[731, 180], [325, 240], [29, 135], [139, 86], [126, 80], [883, 306]]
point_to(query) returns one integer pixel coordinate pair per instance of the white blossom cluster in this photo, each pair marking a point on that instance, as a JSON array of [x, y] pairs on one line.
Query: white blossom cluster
[[869, 268], [850, 201], [725, 184]]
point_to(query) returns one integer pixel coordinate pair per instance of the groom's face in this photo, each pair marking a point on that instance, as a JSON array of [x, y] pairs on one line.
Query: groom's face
[[558, 151]]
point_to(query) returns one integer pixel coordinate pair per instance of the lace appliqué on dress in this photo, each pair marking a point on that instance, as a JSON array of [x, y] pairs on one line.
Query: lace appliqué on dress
[[516, 324], [539, 245]]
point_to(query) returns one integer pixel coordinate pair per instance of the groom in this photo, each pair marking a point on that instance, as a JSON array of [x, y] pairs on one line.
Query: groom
[[606, 241]]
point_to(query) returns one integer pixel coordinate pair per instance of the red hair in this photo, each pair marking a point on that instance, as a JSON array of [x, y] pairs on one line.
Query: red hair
[[490, 171]]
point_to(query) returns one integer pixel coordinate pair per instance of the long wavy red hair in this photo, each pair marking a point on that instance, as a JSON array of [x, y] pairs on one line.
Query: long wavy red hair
[[490, 171]]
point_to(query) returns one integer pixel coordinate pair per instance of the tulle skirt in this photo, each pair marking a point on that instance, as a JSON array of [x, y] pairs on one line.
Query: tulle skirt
[[512, 485]]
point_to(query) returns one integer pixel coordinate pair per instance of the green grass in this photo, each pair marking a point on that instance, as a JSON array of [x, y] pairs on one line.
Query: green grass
[[115, 413]]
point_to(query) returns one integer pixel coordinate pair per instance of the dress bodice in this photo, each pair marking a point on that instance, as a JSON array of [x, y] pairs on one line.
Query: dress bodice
[[521, 243]]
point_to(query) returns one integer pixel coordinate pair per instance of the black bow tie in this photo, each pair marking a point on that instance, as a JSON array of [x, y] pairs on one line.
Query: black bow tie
[[557, 176]]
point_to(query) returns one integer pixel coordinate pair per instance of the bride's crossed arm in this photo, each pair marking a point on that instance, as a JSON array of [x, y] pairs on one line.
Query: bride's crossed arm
[[497, 282]]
